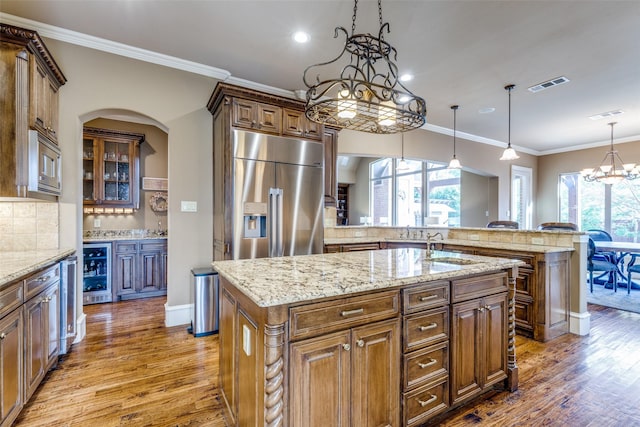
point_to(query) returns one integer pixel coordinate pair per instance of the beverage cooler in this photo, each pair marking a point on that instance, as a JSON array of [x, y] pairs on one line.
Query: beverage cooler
[[96, 277]]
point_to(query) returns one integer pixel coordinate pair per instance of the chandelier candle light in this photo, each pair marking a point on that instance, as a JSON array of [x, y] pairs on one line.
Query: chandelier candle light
[[612, 169], [454, 163], [402, 164], [367, 95], [509, 153]]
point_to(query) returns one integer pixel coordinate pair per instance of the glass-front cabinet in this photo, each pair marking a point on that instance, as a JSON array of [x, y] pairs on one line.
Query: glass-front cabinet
[[111, 168]]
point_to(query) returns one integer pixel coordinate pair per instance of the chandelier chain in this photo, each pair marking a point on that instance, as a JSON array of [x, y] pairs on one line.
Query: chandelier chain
[[353, 18]]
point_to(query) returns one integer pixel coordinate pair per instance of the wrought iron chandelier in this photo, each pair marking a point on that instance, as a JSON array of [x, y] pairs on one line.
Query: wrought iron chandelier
[[363, 97], [612, 169]]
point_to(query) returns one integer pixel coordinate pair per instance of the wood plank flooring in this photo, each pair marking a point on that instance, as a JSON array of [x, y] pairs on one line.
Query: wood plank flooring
[[132, 371]]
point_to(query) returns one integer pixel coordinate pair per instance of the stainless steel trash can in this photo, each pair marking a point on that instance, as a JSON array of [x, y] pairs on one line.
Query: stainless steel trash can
[[205, 302]]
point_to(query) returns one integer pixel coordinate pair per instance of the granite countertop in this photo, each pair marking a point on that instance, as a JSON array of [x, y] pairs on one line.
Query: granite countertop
[[134, 234], [277, 281], [16, 265], [477, 243]]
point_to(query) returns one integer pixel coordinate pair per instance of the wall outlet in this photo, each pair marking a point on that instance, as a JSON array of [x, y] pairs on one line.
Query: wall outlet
[[96, 223], [246, 340], [187, 206], [537, 241], [474, 237]]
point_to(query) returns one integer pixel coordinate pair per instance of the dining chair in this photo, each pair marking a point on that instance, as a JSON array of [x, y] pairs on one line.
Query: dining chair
[[558, 226], [602, 236], [594, 264], [513, 225], [632, 268]]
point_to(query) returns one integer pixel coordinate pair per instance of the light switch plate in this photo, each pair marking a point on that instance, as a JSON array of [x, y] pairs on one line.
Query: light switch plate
[[474, 237], [96, 223], [188, 206], [537, 241], [246, 340]]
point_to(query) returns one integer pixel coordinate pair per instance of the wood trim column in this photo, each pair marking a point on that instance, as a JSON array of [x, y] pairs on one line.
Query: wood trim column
[[512, 366], [274, 376]]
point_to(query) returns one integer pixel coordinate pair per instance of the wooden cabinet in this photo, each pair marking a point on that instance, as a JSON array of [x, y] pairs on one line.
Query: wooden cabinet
[[347, 378], [342, 205], [28, 101], [542, 290], [351, 247], [42, 326], [296, 124], [479, 334], [111, 168], [257, 116], [11, 365], [140, 268]]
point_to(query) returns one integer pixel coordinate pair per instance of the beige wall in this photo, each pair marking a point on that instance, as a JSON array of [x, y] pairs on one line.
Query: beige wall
[[423, 144], [170, 99], [551, 166]]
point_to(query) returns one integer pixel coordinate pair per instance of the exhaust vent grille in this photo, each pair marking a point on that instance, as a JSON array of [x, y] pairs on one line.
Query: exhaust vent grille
[[606, 114], [549, 83]]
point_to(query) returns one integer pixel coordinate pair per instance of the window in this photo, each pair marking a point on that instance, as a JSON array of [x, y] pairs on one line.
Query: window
[[398, 197], [521, 196], [594, 205]]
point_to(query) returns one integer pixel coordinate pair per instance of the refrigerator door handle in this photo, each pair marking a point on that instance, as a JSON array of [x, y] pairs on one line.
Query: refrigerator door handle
[[275, 222]]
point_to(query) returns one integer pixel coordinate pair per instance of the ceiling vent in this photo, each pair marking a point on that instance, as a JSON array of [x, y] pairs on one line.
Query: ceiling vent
[[549, 83], [606, 114]]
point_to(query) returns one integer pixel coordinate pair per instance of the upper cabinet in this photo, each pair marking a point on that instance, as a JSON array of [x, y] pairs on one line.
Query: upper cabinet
[[30, 159], [111, 168]]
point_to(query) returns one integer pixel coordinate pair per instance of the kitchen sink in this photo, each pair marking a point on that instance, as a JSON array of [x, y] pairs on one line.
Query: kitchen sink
[[451, 260]]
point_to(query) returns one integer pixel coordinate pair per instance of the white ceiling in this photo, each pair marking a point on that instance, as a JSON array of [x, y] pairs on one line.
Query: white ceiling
[[461, 52]]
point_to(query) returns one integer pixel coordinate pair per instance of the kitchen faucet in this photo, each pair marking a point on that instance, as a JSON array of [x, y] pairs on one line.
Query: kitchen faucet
[[429, 237]]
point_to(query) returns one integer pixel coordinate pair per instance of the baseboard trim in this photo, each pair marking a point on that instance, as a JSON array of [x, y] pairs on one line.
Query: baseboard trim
[[580, 323], [81, 328], [177, 315]]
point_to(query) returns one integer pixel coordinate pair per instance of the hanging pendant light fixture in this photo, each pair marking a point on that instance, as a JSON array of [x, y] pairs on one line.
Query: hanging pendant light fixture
[[612, 169], [363, 97], [402, 163], [509, 153], [454, 163]]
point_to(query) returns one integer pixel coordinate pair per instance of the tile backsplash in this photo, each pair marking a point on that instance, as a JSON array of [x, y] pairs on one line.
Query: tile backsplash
[[27, 226]]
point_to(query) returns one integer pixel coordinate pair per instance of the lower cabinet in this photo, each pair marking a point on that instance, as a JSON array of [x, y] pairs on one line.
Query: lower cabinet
[[347, 378], [29, 337], [140, 268], [11, 366]]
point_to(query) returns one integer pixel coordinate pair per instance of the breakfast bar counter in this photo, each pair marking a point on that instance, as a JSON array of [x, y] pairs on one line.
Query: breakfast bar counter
[[385, 337]]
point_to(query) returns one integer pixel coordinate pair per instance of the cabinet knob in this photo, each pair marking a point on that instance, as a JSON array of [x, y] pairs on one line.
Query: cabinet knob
[[481, 309], [360, 343], [2, 335], [346, 347], [488, 307]]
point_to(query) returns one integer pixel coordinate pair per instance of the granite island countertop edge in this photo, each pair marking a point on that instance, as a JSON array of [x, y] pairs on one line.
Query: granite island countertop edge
[[17, 265]]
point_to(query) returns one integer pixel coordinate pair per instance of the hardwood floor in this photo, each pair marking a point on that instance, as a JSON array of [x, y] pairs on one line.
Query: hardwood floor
[[131, 370]]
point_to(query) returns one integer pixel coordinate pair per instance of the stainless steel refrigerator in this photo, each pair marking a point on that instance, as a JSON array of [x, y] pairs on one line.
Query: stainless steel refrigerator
[[278, 188]]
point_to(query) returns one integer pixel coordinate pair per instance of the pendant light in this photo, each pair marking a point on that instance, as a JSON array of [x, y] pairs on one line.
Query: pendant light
[[454, 163], [509, 153], [402, 164], [612, 169], [366, 94]]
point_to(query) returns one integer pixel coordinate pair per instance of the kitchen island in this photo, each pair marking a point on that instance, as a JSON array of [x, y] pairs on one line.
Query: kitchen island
[[386, 337]]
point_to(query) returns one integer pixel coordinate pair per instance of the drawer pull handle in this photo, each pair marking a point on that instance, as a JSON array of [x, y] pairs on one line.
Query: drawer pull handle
[[429, 326], [428, 297], [346, 347], [43, 279], [424, 403], [352, 312], [431, 362]]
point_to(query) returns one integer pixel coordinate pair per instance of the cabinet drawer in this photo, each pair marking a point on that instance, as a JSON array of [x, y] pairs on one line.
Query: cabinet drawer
[[39, 281], [425, 296], [313, 319], [424, 402], [426, 328], [153, 246], [424, 365], [475, 287], [10, 298], [124, 247]]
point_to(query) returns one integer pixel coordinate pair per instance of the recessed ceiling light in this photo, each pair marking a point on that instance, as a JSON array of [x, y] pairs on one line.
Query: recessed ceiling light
[[301, 37], [606, 114], [406, 77], [486, 110]]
